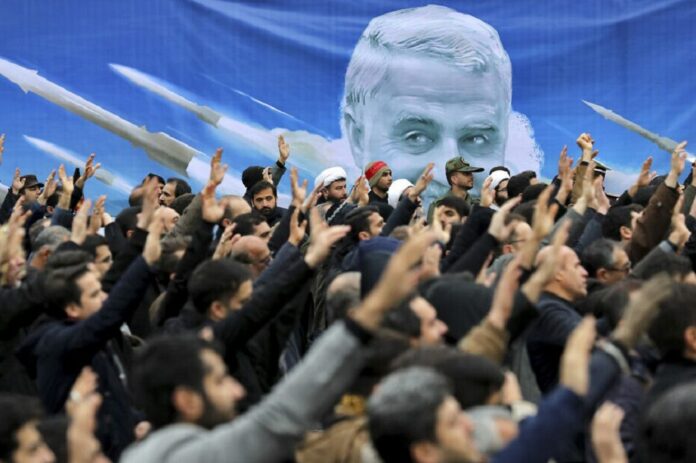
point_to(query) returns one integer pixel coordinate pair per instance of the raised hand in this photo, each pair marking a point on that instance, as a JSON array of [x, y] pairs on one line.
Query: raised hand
[[297, 229], [606, 437], [361, 192], [544, 215], [83, 387], [534, 286], [565, 175], [212, 210], [644, 177], [322, 238], [90, 170], [49, 188], [677, 163], [497, 228], [443, 232], [217, 168], [96, 220], [83, 446], [504, 296], [79, 225], [227, 241], [153, 246], [283, 150], [642, 310], [422, 184], [299, 192], [398, 280], [268, 175], [575, 362], [68, 187], [487, 193], [17, 182], [586, 144], [150, 204]]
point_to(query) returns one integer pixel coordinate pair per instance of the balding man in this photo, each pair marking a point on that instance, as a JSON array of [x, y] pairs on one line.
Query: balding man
[[557, 316], [254, 252]]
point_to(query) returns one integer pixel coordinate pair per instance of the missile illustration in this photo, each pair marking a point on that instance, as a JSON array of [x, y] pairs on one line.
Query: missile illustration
[[664, 143], [310, 151], [159, 146], [203, 112], [68, 157]]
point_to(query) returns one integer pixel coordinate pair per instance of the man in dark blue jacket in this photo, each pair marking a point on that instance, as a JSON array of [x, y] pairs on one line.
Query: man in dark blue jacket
[[557, 317], [83, 328]]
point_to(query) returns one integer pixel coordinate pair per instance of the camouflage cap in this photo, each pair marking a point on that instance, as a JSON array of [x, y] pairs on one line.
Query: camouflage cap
[[458, 164]]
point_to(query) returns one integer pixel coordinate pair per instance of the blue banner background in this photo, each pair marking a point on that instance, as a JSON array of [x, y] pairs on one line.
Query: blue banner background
[[635, 57]]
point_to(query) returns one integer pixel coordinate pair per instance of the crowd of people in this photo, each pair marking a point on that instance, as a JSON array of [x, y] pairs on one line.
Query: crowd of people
[[534, 322]]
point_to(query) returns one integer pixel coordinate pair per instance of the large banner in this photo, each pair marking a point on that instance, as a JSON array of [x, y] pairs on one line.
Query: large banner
[[157, 85]]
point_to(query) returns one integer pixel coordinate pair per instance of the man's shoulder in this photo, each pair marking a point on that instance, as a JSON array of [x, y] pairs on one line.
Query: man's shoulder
[[162, 444]]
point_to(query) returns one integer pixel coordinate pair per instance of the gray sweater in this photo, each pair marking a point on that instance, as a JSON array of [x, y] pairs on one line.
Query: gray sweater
[[269, 431]]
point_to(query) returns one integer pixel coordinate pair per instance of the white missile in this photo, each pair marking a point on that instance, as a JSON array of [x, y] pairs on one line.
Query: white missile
[[310, 151], [73, 159], [159, 146], [664, 143], [203, 112]]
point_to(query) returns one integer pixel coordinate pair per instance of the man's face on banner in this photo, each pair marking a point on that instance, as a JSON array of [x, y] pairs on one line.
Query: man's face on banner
[[427, 110]]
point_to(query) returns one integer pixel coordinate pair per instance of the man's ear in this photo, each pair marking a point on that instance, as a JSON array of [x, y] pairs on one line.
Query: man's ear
[[217, 311], [226, 223], [188, 404], [602, 274], [425, 452], [625, 232], [363, 235], [354, 133], [73, 310], [690, 339]]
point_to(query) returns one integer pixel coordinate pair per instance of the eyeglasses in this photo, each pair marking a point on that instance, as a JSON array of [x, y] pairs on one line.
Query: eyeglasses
[[625, 269]]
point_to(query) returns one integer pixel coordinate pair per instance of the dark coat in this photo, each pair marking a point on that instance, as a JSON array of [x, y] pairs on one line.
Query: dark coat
[[57, 350], [547, 338]]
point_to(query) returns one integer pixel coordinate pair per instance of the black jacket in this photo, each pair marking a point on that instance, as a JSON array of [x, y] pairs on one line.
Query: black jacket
[[19, 308], [547, 338], [57, 350]]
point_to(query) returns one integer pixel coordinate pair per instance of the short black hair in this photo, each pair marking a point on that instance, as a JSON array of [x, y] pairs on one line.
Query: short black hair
[[599, 254], [260, 186], [181, 202], [455, 202], [475, 378], [677, 313], [665, 431], [61, 288], [656, 263], [245, 223], [518, 183], [215, 280], [163, 365], [127, 219], [181, 186], [532, 192], [359, 220], [92, 242], [15, 411], [403, 319], [617, 217]]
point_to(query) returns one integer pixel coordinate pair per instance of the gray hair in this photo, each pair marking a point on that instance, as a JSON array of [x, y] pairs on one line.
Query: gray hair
[[432, 31], [52, 237], [404, 409]]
